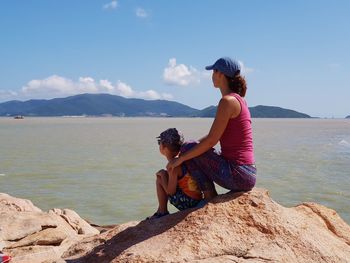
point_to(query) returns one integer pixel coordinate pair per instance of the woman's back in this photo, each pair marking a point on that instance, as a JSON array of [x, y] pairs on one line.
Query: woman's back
[[237, 140]]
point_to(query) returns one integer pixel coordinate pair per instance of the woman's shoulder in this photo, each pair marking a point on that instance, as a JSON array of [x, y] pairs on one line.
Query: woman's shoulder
[[229, 100], [230, 104], [231, 96]]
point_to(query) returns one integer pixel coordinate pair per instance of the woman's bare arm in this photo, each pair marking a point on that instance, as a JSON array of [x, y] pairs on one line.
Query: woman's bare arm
[[228, 107]]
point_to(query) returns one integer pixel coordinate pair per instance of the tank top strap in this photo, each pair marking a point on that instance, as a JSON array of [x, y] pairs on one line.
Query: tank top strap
[[239, 98]]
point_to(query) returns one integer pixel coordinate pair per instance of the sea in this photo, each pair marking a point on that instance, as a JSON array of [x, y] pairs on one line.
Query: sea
[[104, 168]]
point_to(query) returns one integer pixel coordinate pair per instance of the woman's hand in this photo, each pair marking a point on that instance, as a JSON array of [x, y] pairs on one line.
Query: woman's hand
[[174, 163]]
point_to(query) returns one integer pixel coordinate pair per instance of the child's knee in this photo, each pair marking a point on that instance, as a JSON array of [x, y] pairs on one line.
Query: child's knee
[[161, 175]]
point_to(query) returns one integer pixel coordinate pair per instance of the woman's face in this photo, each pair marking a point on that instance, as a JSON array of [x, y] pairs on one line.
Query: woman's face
[[216, 78]]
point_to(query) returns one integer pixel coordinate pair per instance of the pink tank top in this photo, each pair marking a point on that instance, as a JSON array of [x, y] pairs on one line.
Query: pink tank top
[[237, 140]]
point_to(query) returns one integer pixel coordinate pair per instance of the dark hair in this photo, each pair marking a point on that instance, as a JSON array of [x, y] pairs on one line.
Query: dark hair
[[237, 84], [172, 139], [175, 148]]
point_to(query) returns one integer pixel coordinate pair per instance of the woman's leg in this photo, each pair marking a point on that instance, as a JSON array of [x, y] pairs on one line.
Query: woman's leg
[[243, 177], [211, 167], [200, 169]]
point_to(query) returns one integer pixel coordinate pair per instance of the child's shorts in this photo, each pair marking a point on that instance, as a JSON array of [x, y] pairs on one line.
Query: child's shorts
[[181, 201]]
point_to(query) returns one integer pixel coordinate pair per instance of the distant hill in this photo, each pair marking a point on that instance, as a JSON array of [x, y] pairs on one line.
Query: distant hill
[[347, 117], [260, 112], [112, 105], [208, 112], [96, 105], [275, 112]]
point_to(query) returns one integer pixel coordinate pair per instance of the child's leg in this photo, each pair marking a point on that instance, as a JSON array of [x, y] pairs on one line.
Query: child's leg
[[181, 201], [161, 183]]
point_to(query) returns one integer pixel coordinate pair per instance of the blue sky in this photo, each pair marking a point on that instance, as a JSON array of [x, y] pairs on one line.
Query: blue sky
[[294, 54]]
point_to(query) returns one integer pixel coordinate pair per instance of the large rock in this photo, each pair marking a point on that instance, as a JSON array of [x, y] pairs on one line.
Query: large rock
[[235, 227], [241, 227], [31, 235], [10, 203], [75, 221]]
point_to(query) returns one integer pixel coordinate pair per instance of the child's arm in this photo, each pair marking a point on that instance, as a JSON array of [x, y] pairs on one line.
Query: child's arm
[[172, 183]]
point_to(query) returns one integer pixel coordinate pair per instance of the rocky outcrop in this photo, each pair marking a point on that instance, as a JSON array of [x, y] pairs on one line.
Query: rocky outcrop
[[243, 227], [31, 235], [235, 227], [10, 203]]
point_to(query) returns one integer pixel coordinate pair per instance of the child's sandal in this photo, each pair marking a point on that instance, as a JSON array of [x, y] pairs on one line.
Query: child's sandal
[[157, 215]]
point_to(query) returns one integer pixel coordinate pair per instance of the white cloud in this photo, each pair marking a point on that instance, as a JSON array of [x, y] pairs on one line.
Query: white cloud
[[151, 94], [57, 86], [180, 74], [122, 89], [140, 12], [54, 85], [111, 5], [106, 85], [7, 95], [245, 70]]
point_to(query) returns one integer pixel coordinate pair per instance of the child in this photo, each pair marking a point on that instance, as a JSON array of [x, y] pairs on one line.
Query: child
[[177, 186]]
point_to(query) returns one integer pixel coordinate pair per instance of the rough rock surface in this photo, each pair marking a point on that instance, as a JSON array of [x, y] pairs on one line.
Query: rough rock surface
[[241, 227], [31, 235], [10, 203], [235, 227]]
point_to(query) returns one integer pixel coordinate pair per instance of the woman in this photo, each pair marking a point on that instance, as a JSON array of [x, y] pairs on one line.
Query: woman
[[234, 167]]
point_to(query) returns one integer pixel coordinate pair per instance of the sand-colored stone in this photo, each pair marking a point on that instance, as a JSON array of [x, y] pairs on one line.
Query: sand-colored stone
[[10, 203], [243, 227], [235, 227], [42, 253], [31, 235], [17, 225], [46, 237], [75, 221]]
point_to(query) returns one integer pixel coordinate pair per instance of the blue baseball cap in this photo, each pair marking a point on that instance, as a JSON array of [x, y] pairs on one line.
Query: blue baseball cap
[[227, 66]]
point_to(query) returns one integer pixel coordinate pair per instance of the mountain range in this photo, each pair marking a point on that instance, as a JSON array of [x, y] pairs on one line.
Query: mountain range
[[112, 105]]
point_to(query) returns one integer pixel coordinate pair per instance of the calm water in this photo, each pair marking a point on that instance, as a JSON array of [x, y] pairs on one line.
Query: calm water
[[103, 168]]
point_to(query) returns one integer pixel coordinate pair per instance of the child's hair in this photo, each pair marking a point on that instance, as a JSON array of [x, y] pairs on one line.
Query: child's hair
[[173, 147], [237, 84], [172, 139]]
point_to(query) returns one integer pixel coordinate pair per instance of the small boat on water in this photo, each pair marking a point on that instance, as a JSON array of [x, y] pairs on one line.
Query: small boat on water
[[18, 117]]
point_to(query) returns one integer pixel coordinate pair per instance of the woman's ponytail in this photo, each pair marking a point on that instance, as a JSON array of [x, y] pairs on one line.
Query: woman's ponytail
[[237, 84]]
